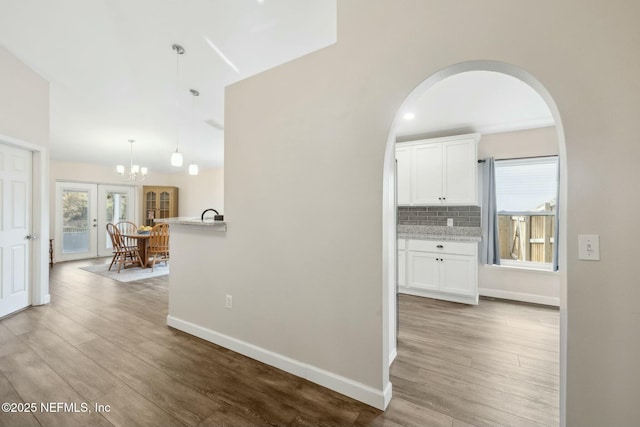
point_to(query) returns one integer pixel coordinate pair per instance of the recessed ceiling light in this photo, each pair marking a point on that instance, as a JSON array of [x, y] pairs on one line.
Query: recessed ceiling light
[[409, 116]]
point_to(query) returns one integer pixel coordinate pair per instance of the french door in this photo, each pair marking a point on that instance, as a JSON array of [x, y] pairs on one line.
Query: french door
[[15, 228], [82, 213]]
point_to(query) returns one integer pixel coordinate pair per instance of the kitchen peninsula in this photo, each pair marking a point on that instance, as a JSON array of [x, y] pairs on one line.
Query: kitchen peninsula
[[192, 284], [209, 222]]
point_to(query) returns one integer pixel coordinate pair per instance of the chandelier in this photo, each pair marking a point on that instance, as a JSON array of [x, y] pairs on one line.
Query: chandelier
[[136, 173]]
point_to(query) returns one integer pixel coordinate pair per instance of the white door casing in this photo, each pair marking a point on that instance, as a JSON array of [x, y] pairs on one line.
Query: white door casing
[[15, 232]]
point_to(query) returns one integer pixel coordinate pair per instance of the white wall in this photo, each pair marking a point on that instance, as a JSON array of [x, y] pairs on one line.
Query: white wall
[[303, 184], [506, 282]]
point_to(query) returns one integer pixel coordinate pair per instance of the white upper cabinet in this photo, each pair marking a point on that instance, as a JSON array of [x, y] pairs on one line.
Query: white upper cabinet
[[440, 171], [427, 174], [460, 160]]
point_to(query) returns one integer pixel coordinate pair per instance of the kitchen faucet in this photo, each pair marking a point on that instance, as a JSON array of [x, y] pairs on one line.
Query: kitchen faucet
[[217, 217]]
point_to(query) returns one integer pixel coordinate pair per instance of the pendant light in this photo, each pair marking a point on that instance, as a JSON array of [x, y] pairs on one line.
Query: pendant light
[[136, 173], [176, 158], [193, 168]]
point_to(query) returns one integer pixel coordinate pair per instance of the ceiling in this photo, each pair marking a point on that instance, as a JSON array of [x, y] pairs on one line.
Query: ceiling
[[112, 74], [112, 70], [474, 101]]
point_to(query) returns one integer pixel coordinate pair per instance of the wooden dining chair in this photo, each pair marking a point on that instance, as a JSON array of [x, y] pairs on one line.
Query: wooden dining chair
[[128, 227], [122, 254], [159, 244]]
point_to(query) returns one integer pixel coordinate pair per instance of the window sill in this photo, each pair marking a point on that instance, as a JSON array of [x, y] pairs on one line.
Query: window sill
[[523, 268]]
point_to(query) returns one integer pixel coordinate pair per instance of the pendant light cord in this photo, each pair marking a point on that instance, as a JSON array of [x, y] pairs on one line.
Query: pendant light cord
[[176, 97]]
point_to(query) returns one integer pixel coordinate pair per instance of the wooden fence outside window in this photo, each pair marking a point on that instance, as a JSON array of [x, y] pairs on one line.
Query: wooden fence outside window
[[527, 236]]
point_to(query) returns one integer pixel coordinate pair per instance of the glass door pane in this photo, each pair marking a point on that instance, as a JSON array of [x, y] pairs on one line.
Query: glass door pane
[[164, 204], [76, 221], [115, 204], [150, 207]]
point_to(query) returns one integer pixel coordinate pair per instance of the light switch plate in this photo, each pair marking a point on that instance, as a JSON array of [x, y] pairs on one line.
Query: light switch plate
[[589, 247], [449, 222]]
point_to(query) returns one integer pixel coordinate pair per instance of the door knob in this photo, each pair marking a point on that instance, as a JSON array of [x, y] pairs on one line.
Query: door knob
[[30, 236]]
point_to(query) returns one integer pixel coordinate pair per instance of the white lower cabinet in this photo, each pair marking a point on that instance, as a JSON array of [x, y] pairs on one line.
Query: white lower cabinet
[[439, 269], [402, 263]]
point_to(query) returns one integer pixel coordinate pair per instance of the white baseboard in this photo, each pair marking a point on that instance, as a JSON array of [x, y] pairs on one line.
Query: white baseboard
[[387, 396], [393, 355], [377, 398], [45, 300], [519, 296], [438, 295]]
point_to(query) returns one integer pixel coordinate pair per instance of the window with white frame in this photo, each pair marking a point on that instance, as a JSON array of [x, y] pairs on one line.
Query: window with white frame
[[526, 195]]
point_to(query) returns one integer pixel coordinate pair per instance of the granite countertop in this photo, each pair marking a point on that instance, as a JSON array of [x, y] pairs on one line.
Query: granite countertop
[[216, 225], [430, 232]]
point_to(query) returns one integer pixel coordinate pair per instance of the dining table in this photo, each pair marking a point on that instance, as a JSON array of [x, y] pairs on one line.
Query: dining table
[[143, 243]]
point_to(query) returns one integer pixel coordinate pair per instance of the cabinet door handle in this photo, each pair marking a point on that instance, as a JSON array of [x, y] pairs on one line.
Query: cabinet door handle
[[440, 247]]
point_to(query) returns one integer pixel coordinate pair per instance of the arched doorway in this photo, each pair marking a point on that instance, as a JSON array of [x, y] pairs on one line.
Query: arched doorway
[[389, 208]]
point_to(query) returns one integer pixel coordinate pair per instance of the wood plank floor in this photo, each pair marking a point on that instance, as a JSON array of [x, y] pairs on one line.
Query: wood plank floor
[[104, 342]]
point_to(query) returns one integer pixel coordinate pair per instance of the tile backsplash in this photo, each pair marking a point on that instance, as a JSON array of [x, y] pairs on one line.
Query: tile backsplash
[[463, 216]]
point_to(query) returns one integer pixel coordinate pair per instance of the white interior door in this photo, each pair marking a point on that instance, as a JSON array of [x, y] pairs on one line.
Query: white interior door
[[115, 204], [15, 227]]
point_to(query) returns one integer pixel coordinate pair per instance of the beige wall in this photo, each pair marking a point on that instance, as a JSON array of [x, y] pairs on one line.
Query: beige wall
[[524, 143], [506, 282], [24, 102], [303, 183], [24, 122], [200, 192]]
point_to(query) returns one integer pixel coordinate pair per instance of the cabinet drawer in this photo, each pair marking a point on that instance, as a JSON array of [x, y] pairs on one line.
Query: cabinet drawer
[[445, 247], [402, 244]]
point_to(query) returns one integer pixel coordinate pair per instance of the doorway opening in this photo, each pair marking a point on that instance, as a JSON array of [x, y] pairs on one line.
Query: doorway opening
[[390, 212], [82, 212]]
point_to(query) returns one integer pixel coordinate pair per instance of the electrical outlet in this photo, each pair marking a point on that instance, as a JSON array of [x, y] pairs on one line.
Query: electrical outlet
[[449, 222], [228, 301]]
